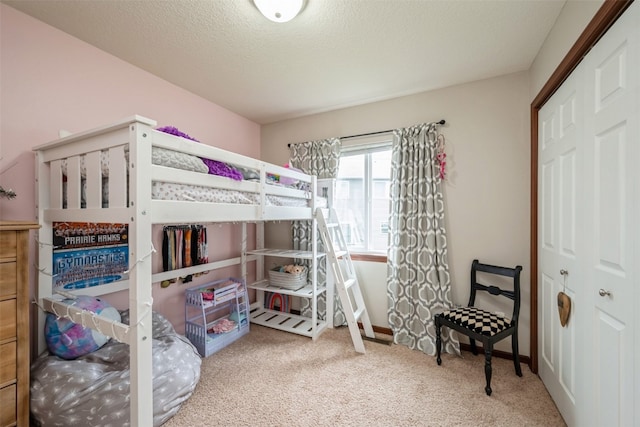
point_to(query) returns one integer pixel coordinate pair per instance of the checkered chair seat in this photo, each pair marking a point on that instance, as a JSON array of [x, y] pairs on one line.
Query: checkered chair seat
[[478, 320]]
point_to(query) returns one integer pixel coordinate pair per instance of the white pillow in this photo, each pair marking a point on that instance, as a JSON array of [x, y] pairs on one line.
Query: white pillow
[[175, 159], [159, 156]]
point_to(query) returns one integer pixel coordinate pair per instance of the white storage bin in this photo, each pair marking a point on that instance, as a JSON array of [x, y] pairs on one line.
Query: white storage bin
[[291, 281]]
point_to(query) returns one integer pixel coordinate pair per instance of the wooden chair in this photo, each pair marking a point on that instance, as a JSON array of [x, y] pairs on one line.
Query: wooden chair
[[481, 325]]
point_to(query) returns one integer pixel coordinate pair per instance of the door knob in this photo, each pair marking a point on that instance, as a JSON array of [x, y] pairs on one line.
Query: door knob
[[604, 293]]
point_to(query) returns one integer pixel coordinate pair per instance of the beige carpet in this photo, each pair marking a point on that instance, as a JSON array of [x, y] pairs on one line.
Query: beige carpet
[[273, 378]]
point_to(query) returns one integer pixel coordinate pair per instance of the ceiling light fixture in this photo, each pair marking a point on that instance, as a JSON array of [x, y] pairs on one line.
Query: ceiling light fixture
[[279, 10]]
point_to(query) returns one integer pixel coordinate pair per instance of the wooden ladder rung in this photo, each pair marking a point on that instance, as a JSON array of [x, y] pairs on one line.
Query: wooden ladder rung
[[358, 313], [349, 283]]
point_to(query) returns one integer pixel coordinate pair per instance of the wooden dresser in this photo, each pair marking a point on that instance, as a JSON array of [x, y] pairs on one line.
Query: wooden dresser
[[14, 323]]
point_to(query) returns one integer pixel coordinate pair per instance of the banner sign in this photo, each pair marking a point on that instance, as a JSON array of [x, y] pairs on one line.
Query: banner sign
[[87, 254]]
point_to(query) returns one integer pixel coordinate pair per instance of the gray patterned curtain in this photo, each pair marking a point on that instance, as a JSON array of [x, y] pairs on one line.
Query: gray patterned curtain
[[320, 158], [418, 283]]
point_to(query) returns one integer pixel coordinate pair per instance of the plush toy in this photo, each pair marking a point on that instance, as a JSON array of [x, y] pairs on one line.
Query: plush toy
[[293, 269], [70, 340]]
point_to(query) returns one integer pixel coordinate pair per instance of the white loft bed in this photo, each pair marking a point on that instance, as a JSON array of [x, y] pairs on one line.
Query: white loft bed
[[70, 182]]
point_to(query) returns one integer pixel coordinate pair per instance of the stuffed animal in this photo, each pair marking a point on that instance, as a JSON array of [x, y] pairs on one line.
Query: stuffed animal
[[70, 340], [293, 269]]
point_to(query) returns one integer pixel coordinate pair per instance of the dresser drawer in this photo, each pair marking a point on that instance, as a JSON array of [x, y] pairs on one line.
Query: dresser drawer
[[8, 369], [8, 242], [9, 279], [7, 320], [8, 409]]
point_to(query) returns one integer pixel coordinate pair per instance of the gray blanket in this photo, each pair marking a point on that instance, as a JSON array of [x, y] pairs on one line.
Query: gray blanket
[[93, 390]]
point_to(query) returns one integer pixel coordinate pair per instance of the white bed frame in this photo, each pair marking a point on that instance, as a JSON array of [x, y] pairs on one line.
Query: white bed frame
[[138, 136]]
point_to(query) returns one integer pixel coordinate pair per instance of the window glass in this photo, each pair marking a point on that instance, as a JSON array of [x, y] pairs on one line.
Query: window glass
[[381, 172], [350, 199], [362, 198]]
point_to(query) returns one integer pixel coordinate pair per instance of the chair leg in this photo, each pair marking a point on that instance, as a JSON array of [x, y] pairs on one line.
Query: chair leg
[[438, 341], [474, 348], [487, 367], [516, 354]]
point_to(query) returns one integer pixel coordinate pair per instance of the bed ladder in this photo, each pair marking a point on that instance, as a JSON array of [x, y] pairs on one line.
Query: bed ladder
[[345, 279]]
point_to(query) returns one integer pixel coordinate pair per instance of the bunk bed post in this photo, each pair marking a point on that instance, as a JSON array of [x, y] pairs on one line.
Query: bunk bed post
[[243, 253], [324, 188], [314, 260], [140, 266], [45, 243], [245, 257], [260, 245], [259, 301]]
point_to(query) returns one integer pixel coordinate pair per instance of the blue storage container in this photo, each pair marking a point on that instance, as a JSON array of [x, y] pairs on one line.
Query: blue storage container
[[216, 314]]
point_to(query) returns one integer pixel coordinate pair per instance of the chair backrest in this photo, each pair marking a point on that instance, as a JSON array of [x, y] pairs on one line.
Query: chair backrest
[[514, 294]]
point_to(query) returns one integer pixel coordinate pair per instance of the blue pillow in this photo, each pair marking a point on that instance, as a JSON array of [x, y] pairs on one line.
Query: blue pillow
[[70, 340]]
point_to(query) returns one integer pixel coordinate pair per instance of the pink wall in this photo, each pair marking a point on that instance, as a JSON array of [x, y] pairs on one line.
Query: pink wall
[[51, 81]]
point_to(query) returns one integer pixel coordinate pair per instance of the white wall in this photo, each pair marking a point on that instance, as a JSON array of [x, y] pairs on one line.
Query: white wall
[[487, 132], [369, 274], [487, 190], [573, 19]]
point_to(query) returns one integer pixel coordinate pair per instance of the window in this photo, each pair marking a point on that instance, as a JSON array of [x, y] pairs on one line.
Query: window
[[362, 193]]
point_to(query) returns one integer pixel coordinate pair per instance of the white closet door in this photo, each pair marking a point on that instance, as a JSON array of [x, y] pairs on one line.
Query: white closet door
[[612, 137], [559, 129]]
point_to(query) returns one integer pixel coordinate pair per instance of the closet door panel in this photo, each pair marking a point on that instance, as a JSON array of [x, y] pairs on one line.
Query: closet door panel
[[547, 205], [548, 239], [559, 190], [611, 274], [548, 326], [610, 197], [612, 93]]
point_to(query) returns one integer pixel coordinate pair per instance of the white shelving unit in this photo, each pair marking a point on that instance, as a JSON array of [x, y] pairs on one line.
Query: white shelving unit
[[261, 315]]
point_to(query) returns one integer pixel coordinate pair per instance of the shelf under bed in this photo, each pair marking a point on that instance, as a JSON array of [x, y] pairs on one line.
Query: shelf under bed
[[287, 322]]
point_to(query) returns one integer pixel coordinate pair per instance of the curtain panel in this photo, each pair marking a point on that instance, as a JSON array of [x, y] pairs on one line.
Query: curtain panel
[[418, 284], [320, 158]]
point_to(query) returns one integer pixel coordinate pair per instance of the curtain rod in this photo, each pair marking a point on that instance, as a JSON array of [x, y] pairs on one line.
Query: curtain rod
[[441, 122]]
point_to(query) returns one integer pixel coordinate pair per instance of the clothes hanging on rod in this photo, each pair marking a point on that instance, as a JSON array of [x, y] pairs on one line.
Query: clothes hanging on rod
[[184, 246]]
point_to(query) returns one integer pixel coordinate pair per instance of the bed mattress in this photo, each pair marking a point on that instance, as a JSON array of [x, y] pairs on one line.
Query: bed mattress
[[195, 193]]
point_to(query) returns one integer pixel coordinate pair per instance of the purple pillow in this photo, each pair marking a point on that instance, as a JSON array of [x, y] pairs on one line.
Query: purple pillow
[[175, 131], [222, 169]]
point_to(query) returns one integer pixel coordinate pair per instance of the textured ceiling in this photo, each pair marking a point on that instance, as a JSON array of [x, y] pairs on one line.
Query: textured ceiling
[[336, 53]]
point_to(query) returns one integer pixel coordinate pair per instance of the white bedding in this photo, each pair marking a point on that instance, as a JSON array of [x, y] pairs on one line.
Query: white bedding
[[196, 193]]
